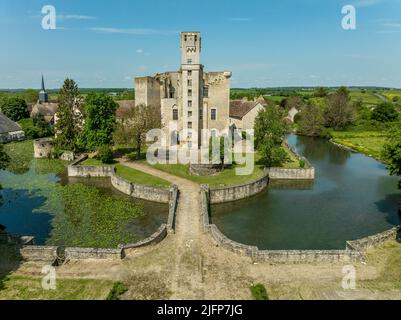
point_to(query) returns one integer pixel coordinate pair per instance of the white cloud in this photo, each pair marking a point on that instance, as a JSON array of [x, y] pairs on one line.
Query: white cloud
[[139, 51], [135, 31], [392, 25], [127, 78], [74, 17]]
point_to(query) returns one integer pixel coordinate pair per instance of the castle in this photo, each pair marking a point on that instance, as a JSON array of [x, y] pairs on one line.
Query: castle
[[190, 99]]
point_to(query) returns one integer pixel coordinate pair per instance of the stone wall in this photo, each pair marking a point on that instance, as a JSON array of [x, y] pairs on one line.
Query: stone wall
[[50, 254], [138, 191], [39, 253], [93, 253], [227, 194], [373, 241], [154, 239], [354, 249], [291, 174], [172, 209]]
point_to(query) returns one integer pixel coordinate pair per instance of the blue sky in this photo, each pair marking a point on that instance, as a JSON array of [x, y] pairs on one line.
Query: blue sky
[[264, 43]]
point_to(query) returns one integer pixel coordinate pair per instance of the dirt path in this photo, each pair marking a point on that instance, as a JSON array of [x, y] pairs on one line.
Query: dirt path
[[188, 258]]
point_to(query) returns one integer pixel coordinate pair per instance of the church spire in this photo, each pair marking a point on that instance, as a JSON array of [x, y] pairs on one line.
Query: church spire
[[43, 84], [43, 97]]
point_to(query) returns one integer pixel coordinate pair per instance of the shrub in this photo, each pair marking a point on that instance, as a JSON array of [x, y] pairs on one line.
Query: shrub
[[259, 292], [132, 156], [302, 163], [105, 155], [385, 112], [118, 289]]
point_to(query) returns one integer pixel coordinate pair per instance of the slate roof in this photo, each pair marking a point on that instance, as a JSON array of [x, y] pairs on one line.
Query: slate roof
[[239, 108], [7, 125]]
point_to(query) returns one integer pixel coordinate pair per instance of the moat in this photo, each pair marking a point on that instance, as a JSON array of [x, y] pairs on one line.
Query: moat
[[41, 201], [352, 197]]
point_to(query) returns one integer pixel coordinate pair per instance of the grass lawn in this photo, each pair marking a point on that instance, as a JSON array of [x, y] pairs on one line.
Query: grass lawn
[[131, 174], [29, 288], [227, 177], [388, 258], [136, 176], [367, 142]]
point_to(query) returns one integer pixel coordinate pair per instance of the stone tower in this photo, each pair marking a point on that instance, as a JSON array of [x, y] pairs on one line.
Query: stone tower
[[192, 84], [43, 97]]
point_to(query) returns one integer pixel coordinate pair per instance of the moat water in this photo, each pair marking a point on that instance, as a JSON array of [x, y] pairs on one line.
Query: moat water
[[353, 196], [31, 204]]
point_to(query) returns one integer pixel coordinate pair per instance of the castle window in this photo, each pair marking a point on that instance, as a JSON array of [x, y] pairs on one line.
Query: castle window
[[189, 93], [189, 61], [206, 92], [213, 114], [189, 114], [175, 114], [189, 73], [185, 38], [196, 38], [189, 125], [189, 103], [189, 83]]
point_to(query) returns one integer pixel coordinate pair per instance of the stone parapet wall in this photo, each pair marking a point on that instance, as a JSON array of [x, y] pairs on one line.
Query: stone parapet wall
[[374, 241], [354, 249], [154, 239], [306, 256], [93, 253], [172, 209], [161, 195], [38, 253], [227, 194], [291, 174]]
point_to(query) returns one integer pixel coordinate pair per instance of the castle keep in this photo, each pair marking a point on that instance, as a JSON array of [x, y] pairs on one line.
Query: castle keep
[[190, 99]]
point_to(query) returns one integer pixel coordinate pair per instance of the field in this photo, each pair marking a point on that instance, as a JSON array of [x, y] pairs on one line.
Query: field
[[367, 142]]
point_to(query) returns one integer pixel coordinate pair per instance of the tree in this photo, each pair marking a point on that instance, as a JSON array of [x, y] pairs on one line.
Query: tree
[[132, 129], [100, 112], [340, 112], [69, 117], [311, 121], [270, 131], [14, 108], [392, 153], [292, 102], [384, 112], [321, 92], [30, 95]]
